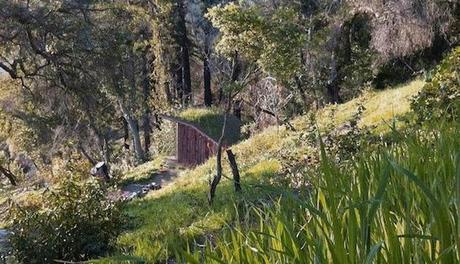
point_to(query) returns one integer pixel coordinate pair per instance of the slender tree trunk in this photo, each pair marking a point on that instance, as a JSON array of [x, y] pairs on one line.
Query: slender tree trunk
[[125, 134], [134, 129], [236, 70], [99, 136], [179, 89], [301, 90], [183, 42], [106, 151], [86, 154], [207, 77], [340, 56], [215, 181], [237, 109], [146, 88], [345, 44], [127, 110], [332, 85], [221, 93]]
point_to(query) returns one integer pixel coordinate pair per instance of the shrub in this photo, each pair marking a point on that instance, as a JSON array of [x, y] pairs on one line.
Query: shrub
[[74, 222], [440, 97]]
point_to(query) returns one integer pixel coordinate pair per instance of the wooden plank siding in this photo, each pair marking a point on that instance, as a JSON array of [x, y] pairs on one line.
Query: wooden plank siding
[[193, 145], [193, 148]]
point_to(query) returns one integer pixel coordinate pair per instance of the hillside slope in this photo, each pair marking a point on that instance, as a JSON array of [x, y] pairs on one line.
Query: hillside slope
[[168, 219]]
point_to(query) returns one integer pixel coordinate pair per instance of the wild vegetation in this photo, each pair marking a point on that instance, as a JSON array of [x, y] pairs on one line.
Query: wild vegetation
[[272, 163], [331, 131]]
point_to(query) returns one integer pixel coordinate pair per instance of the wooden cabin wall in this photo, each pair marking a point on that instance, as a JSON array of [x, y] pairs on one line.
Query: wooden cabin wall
[[193, 148]]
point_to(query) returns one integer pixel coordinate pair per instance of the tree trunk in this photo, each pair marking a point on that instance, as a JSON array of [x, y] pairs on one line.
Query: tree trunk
[[236, 70], [183, 41], [332, 85], [237, 109], [8, 174], [86, 154], [179, 87], [125, 134], [106, 150], [221, 93], [301, 90], [147, 130], [127, 110], [146, 88], [207, 77], [235, 171], [100, 136], [218, 176], [340, 56], [134, 129]]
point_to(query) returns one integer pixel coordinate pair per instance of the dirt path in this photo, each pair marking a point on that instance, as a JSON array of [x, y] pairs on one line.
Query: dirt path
[[158, 180]]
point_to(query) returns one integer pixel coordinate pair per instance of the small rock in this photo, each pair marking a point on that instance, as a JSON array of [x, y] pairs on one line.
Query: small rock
[[101, 170], [154, 186]]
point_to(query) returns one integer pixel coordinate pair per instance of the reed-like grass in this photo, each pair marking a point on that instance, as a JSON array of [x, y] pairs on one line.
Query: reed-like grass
[[399, 204]]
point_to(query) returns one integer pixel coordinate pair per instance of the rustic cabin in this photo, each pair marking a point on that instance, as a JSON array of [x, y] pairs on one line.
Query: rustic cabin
[[196, 143]]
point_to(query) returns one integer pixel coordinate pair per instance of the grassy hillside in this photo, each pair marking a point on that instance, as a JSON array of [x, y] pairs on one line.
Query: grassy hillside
[[177, 215], [395, 204]]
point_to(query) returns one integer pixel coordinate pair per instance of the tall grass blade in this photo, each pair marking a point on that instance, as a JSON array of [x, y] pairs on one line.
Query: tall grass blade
[[375, 249]]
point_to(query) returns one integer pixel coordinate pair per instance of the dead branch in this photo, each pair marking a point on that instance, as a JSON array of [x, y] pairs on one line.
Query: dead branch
[[8, 174]]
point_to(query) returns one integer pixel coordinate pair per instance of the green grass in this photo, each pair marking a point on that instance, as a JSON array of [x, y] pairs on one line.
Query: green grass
[[380, 107], [178, 215], [400, 204], [211, 121], [168, 219]]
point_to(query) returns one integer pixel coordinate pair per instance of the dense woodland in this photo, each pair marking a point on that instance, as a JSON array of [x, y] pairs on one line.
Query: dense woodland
[[85, 81]]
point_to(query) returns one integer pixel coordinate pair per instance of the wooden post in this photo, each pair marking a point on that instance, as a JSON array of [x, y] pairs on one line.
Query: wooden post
[[235, 171]]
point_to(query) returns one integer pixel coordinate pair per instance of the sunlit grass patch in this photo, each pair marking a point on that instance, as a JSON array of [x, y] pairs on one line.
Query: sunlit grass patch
[[388, 104], [380, 107], [264, 169]]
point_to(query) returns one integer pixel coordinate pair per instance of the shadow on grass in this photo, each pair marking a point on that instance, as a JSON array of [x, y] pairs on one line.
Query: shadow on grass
[[160, 227]]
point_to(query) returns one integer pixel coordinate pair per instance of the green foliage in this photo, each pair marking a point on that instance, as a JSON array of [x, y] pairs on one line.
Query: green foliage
[[347, 140], [165, 49], [440, 97], [272, 41], [75, 221], [164, 140], [395, 205]]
